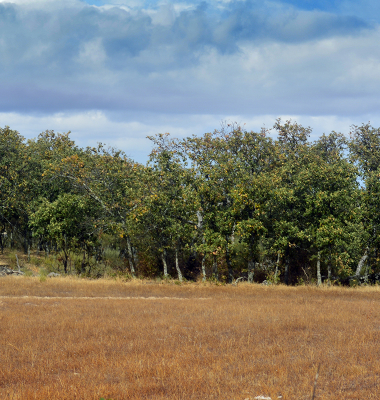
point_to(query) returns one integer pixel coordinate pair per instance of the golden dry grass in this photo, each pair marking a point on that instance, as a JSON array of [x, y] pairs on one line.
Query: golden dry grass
[[169, 342]]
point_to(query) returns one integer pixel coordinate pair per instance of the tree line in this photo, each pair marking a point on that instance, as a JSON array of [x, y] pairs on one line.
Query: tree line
[[227, 205]]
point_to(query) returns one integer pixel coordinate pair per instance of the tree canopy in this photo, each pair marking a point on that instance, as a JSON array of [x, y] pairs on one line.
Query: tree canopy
[[226, 205]]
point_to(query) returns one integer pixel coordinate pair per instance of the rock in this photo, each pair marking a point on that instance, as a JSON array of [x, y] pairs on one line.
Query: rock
[[52, 274], [5, 270]]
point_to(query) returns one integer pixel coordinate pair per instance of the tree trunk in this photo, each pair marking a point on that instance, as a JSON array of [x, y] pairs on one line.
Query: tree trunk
[[200, 232], [135, 257], [83, 265], [215, 267], [177, 266], [200, 221], [130, 257], [251, 270], [319, 278], [287, 270], [361, 262], [277, 265], [251, 260], [66, 252], [65, 264], [366, 272], [228, 261], [329, 268], [204, 268], [163, 257], [18, 264], [25, 244]]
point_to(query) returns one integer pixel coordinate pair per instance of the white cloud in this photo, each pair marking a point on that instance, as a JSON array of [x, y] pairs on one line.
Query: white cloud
[[129, 135], [44, 4], [181, 68]]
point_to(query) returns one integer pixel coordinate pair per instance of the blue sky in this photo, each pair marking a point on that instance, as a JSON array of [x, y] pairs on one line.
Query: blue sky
[[117, 71]]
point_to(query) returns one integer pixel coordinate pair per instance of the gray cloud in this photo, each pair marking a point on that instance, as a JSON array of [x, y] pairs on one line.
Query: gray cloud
[[47, 42], [242, 58]]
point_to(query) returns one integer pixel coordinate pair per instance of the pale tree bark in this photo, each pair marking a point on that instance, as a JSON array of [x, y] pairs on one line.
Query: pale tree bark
[[319, 277], [177, 266], [18, 265], [286, 270], [200, 221], [204, 268], [233, 233], [366, 272], [251, 270], [361, 262], [200, 232], [277, 265], [163, 257], [130, 257]]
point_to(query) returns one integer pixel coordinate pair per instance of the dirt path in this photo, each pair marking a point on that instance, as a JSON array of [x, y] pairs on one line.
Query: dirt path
[[102, 298]]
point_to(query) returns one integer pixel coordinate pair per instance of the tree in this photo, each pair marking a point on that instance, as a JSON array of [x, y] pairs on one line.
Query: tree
[[69, 221], [108, 179], [214, 184], [169, 207], [328, 183], [365, 154], [14, 186], [252, 162], [287, 211]]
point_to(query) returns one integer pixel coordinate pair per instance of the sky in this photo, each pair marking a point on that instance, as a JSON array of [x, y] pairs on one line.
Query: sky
[[117, 71]]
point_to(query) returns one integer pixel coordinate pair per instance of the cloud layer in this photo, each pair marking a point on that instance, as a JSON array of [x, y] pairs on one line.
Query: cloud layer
[[140, 60]]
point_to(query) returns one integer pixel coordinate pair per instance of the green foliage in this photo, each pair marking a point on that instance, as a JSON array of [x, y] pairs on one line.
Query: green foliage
[[227, 204], [273, 278], [35, 261]]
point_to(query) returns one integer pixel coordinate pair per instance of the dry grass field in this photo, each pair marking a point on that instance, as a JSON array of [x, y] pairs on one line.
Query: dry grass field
[[80, 339]]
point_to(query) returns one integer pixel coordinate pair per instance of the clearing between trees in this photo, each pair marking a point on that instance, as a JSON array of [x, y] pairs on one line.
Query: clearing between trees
[[85, 339]]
